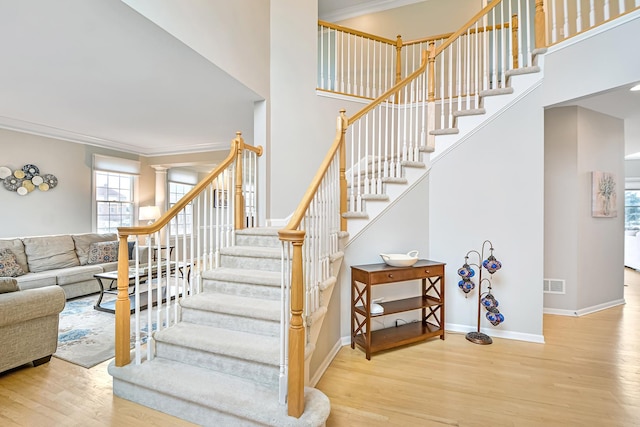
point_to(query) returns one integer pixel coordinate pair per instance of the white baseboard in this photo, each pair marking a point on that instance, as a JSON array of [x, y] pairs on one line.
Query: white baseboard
[[326, 362], [496, 333], [584, 311]]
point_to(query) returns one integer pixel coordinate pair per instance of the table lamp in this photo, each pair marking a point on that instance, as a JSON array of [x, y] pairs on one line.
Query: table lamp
[[149, 213]]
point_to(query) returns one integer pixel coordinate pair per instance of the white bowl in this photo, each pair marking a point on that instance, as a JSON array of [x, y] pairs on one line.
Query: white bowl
[[400, 260]]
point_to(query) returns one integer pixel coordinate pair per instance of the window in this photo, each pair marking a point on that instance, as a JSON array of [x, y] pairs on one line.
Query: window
[[184, 220], [632, 209], [114, 201]]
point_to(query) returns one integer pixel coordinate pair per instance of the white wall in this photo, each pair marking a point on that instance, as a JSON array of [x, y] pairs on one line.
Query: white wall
[[64, 209], [417, 20], [232, 35], [590, 65], [585, 251], [561, 201], [68, 207], [404, 227], [491, 187]]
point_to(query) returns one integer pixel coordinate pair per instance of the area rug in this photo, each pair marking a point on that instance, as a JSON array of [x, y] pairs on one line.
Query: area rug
[[86, 336]]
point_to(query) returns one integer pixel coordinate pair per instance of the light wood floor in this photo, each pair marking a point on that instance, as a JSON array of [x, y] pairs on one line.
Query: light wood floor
[[586, 374]]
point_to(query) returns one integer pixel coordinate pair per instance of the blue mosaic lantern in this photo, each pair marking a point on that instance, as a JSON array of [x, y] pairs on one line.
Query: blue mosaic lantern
[[492, 264]]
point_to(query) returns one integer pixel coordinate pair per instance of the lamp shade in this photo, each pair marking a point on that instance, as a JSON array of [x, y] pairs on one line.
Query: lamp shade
[[149, 213]]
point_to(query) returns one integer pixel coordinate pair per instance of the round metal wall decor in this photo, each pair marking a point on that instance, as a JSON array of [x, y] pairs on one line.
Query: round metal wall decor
[[26, 179]]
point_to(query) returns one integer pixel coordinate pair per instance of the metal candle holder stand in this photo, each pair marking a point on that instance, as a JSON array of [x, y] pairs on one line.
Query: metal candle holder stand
[[486, 300]]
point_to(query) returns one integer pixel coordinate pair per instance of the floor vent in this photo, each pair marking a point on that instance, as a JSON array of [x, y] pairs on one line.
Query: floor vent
[[553, 286]]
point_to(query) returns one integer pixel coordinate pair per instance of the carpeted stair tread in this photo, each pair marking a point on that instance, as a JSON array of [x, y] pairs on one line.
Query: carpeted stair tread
[[394, 180], [252, 252], [354, 215], [522, 70], [496, 92], [251, 402], [258, 231], [235, 305], [377, 197], [469, 112], [445, 131], [240, 345], [412, 164], [257, 277]]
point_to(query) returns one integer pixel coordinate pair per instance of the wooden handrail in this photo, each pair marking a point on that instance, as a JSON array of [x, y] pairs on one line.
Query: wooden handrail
[[466, 26], [379, 100], [356, 32], [237, 145]]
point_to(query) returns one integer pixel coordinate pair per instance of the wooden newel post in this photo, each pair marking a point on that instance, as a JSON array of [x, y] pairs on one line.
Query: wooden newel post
[[398, 58], [431, 90], [514, 40], [123, 306], [295, 385], [342, 126], [540, 25], [239, 197]]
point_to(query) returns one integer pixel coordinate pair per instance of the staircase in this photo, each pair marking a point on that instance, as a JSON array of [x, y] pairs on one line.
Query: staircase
[[225, 361], [219, 365]]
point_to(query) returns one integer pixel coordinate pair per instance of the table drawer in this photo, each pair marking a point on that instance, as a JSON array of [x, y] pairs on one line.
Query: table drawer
[[405, 274]]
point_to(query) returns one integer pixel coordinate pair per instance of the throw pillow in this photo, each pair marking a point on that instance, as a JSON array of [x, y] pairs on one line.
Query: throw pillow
[[8, 285], [131, 246], [9, 266], [100, 252]]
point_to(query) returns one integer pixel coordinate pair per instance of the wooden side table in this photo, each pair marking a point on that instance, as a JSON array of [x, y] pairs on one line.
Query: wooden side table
[[430, 302]]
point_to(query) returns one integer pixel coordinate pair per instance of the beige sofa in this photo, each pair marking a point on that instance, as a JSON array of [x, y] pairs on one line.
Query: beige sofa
[[28, 323], [68, 261]]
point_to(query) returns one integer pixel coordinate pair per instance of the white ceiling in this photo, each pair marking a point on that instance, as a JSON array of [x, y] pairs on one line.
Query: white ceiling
[[97, 72]]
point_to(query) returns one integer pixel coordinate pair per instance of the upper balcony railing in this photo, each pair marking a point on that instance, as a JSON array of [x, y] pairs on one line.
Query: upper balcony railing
[[365, 65]]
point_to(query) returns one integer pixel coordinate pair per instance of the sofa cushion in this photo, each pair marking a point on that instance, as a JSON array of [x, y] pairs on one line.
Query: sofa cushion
[[83, 241], [100, 252], [9, 266], [77, 274], [17, 248], [50, 252], [8, 285], [37, 280]]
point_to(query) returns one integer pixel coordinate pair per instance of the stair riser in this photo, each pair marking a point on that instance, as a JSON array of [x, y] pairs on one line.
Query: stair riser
[[180, 408], [242, 289], [228, 321], [250, 263], [266, 375], [258, 240]]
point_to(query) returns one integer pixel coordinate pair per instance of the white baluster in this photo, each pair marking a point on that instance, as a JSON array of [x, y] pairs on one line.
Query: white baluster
[[322, 86], [362, 66], [606, 8], [578, 16], [621, 7], [565, 27], [329, 54], [554, 22], [592, 13], [349, 37], [366, 155]]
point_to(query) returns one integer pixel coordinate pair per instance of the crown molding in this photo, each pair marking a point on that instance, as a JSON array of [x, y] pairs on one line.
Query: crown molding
[[365, 9], [79, 138]]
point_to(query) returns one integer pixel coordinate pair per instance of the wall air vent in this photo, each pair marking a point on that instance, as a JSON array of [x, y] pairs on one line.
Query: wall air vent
[[553, 286]]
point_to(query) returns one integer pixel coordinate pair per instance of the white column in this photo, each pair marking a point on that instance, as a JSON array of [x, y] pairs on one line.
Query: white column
[[161, 194], [161, 188]]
